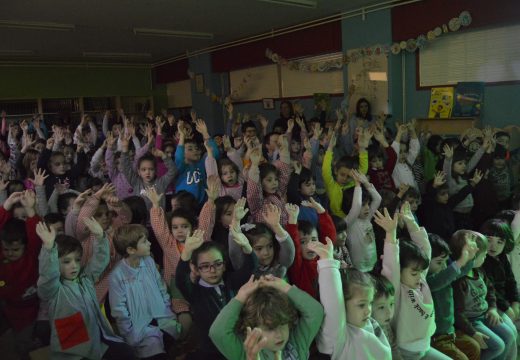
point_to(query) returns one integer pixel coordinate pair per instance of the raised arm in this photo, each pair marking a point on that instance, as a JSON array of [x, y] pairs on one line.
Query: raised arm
[[49, 265], [391, 267]]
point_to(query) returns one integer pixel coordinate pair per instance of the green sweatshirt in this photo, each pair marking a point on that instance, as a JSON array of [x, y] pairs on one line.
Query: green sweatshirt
[[223, 335]]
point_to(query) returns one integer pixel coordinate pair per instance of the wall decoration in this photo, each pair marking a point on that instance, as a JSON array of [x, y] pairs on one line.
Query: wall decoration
[[469, 97], [410, 45], [441, 103], [268, 104], [199, 83]]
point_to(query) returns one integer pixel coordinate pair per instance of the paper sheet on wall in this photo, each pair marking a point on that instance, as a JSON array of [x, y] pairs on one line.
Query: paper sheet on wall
[[369, 75]]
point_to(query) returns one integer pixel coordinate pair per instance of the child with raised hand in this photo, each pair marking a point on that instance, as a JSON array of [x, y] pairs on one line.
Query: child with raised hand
[[142, 301], [217, 213], [172, 243], [303, 273], [361, 240], [267, 319], [274, 256], [204, 282], [78, 327], [341, 252], [267, 183], [406, 155], [190, 164], [340, 179], [498, 269], [457, 345], [456, 167], [20, 248], [405, 264], [111, 214], [475, 305], [348, 329], [227, 169], [380, 171], [146, 166]]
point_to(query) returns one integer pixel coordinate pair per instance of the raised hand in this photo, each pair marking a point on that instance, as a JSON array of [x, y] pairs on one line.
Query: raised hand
[[332, 140], [255, 341], [275, 282], [159, 123], [314, 205], [477, 176], [94, 227], [271, 215], [240, 210], [439, 179], [50, 143], [80, 200], [255, 156], [158, 153], [12, 199], [39, 177], [106, 190], [406, 213], [300, 122], [226, 141], [47, 234], [447, 151], [380, 137], [28, 200], [263, 121], [111, 140], [3, 184], [202, 128], [364, 138], [290, 125], [247, 289], [153, 196], [283, 143], [293, 211], [213, 189], [240, 239], [388, 223], [125, 138], [324, 251], [192, 243]]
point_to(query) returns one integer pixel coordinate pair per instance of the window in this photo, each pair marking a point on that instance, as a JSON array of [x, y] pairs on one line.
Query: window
[[52, 106], [19, 107], [487, 55], [179, 94]]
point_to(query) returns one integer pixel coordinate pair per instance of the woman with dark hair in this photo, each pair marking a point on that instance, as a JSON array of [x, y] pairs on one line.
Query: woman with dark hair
[[286, 112]]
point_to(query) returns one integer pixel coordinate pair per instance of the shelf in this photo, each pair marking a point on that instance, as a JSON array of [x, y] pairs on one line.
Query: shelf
[[451, 126]]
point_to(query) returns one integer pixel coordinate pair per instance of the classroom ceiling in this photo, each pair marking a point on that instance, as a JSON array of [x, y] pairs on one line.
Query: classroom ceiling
[[107, 26]]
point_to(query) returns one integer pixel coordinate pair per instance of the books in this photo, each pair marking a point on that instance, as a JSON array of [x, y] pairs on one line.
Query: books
[[441, 103], [469, 97]]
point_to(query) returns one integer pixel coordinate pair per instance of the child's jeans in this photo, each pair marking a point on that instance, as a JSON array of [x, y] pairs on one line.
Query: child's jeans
[[502, 338], [458, 346], [431, 354]]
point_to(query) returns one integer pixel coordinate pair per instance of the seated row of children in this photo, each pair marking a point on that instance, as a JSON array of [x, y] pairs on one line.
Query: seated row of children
[[303, 218]]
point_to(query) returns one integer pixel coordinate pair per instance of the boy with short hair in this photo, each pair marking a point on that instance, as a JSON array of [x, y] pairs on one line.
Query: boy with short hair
[[139, 301]]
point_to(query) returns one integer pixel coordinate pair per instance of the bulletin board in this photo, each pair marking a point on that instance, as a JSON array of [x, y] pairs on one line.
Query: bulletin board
[[262, 83], [179, 94], [369, 75]]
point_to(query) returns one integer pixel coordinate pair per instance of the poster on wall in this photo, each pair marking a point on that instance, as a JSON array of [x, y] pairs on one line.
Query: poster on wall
[[469, 97], [441, 103], [369, 76]]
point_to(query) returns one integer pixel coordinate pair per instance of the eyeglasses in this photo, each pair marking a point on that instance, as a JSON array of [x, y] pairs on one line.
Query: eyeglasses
[[208, 267]]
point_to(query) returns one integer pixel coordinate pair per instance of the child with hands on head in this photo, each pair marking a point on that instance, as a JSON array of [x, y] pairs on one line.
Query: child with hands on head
[[405, 264], [138, 296], [441, 276], [78, 327], [205, 283], [271, 244], [476, 304], [348, 329], [267, 319]]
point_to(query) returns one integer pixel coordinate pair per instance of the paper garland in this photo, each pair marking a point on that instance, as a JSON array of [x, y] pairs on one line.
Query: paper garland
[[410, 45], [226, 100]]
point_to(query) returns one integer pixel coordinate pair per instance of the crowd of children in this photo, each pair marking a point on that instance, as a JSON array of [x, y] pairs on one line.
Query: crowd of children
[[342, 240]]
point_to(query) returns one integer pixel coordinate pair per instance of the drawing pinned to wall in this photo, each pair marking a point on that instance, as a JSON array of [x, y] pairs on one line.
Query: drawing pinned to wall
[[469, 97], [370, 81], [441, 102]]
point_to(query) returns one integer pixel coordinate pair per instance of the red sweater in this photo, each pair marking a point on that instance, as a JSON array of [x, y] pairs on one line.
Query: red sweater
[[304, 273], [18, 279], [382, 179]]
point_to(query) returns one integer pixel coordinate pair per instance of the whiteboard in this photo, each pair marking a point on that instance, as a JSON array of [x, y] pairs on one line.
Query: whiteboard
[[487, 55], [360, 74], [262, 82], [179, 94]]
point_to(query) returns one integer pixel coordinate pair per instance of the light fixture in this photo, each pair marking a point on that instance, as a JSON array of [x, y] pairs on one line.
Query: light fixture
[[34, 25], [377, 76], [115, 55], [309, 4], [16, 52], [173, 33]]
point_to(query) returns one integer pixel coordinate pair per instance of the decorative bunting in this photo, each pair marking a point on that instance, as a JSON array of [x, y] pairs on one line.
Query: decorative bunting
[[410, 45]]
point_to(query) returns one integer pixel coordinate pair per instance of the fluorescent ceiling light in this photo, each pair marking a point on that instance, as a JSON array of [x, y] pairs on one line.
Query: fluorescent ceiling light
[[16, 52], [377, 76], [310, 4], [115, 55], [173, 33], [34, 25]]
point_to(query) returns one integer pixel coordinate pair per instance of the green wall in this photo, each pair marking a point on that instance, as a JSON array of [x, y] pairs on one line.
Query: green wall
[[19, 82]]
